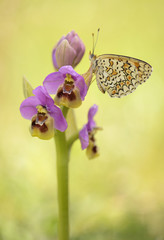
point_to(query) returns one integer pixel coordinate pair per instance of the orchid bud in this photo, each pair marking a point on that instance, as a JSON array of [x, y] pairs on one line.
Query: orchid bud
[[68, 51]]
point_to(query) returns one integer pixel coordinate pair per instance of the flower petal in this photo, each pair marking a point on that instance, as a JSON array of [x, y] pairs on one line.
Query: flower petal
[[65, 54], [54, 59], [75, 43], [43, 96], [70, 36], [92, 111], [84, 137], [80, 83], [28, 107], [58, 43], [54, 52], [78, 45], [69, 70], [53, 81], [59, 121]]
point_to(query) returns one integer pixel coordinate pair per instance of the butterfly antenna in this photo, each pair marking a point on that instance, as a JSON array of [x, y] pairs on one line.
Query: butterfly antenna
[[94, 44], [97, 37]]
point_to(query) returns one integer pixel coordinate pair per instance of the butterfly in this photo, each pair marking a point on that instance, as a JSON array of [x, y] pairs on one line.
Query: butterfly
[[119, 75]]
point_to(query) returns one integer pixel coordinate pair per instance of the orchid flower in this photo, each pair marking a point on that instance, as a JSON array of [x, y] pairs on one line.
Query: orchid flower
[[44, 115], [69, 86], [87, 134]]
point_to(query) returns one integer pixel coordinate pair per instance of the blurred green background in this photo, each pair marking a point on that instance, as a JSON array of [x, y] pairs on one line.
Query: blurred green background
[[119, 195]]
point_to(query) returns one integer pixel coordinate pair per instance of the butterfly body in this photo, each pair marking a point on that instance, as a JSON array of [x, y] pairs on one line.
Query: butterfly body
[[119, 75]]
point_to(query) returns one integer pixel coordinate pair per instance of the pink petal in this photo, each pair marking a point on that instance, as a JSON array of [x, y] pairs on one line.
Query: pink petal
[[28, 107], [59, 121], [78, 45], [54, 52], [43, 96], [91, 123], [65, 54], [82, 86], [84, 138], [53, 81], [92, 111], [70, 36]]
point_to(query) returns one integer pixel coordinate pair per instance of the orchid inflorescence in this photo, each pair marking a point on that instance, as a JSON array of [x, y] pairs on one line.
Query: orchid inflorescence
[[69, 89]]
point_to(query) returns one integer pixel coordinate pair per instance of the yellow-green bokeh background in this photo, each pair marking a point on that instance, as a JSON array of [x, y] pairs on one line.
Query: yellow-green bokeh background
[[119, 195]]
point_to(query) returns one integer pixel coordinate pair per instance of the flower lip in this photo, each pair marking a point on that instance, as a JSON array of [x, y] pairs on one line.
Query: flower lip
[[42, 126], [40, 120], [70, 99], [68, 87]]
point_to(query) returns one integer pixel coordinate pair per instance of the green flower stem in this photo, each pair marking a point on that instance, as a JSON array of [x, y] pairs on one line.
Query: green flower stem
[[63, 147], [72, 139], [62, 184], [62, 160]]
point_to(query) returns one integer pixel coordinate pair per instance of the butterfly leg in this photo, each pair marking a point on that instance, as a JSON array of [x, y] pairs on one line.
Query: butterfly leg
[[99, 86]]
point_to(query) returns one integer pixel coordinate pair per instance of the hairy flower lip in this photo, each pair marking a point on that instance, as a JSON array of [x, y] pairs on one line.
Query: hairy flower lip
[[42, 126], [41, 118], [68, 99], [68, 88], [38, 122]]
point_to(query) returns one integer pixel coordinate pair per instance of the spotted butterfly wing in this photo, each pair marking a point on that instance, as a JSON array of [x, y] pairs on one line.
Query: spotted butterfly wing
[[119, 75]]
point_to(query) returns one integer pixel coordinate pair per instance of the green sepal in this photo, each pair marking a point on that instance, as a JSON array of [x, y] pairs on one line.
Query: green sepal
[[27, 88]]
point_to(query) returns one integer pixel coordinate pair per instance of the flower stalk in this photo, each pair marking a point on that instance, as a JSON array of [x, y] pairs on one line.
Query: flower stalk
[[62, 160], [72, 139]]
